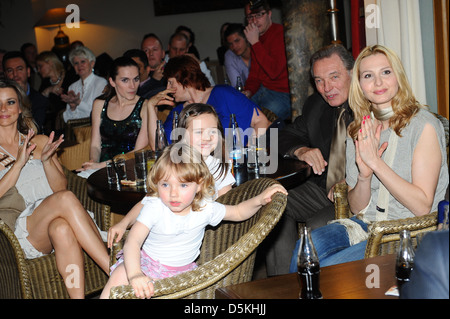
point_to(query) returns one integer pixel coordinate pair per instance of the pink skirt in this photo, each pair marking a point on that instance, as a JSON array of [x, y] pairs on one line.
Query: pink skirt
[[153, 268]]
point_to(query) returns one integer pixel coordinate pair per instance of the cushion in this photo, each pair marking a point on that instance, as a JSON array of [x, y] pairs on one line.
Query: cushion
[[11, 205]]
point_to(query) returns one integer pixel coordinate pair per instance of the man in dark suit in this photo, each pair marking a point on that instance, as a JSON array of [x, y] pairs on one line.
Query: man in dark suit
[[309, 139], [429, 278], [16, 69]]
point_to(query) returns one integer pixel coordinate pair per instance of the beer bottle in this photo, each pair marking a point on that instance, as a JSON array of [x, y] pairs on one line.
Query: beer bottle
[[405, 259], [239, 85], [308, 267]]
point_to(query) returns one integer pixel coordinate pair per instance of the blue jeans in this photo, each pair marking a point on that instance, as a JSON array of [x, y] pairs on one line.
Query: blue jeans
[[278, 102], [333, 246]]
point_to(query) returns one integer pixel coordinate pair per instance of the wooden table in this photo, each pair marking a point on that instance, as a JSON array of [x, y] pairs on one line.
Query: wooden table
[[343, 281], [290, 173]]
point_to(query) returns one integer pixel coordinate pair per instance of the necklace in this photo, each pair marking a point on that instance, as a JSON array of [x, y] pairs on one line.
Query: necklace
[[57, 81], [7, 159]]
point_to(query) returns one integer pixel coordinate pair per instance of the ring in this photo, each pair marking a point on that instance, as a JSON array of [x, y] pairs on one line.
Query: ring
[[364, 137]]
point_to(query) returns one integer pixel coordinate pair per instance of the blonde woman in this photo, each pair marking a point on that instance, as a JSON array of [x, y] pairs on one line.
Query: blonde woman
[[396, 157]]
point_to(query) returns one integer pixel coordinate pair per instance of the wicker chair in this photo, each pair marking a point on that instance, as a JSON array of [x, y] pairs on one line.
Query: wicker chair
[[228, 251], [72, 157], [384, 236], [269, 114], [39, 278]]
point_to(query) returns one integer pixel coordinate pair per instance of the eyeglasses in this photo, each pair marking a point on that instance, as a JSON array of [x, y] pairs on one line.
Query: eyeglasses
[[258, 15]]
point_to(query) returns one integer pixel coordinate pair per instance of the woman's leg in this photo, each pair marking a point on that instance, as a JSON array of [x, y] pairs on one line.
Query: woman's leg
[[352, 253], [69, 257], [65, 205], [327, 240]]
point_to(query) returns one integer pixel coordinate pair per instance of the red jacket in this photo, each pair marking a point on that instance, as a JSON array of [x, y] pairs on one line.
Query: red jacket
[[268, 62]]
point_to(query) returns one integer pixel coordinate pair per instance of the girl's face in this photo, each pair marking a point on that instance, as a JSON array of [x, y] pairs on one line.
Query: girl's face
[[378, 81], [203, 133], [177, 195], [83, 67], [126, 82], [9, 106]]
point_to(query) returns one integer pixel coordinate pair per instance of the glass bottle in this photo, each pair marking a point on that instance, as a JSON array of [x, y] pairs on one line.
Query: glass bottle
[[308, 267], [405, 259], [175, 120], [236, 149], [160, 138], [239, 85]]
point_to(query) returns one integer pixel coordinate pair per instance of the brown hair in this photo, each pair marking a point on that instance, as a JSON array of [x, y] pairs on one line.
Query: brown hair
[[193, 110], [186, 70], [25, 120], [187, 164]]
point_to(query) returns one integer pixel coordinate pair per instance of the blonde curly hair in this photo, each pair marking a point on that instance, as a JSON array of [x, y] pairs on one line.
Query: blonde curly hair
[[187, 164]]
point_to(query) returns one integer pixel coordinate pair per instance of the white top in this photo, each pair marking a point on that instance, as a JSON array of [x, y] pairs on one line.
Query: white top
[[220, 181], [92, 88], [402, 164], [175, 240]]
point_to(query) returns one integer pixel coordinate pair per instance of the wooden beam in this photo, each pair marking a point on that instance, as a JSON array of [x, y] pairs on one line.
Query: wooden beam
[[441, 14]]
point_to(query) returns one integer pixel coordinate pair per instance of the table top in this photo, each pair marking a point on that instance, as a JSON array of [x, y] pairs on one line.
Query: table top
[[343, 281], [290, 173]]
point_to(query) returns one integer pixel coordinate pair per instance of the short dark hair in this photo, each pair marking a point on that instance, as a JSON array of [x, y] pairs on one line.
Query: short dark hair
[[136, 53], [258, 5], [12, 55], [188, 30], [326, 52], [234, 28]]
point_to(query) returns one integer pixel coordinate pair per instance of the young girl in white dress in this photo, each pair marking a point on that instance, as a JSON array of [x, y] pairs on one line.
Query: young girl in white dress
[[199, 127], [165, 240]]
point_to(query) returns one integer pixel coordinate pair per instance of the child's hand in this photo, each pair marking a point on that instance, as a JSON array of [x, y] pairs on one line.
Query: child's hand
[[266, 196], [115, 233], [142, 285]]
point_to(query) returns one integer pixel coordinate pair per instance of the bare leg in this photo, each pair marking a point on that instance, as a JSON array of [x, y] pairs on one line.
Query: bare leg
[[65, 205], [69, 257], [117, 278]]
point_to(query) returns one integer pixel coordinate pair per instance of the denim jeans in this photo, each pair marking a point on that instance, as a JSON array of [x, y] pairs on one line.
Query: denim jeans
[[278, 102], [333, 246]]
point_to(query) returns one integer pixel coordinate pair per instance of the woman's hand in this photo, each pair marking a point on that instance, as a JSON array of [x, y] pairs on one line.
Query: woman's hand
[[163, 98], [367, 151], [72, 99], [25, 150], [55, 89], [50, 147], [90, 165]]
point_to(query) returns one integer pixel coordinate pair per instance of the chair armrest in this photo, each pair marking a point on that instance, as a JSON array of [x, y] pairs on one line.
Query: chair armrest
[[388, 231], [342, 210]]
